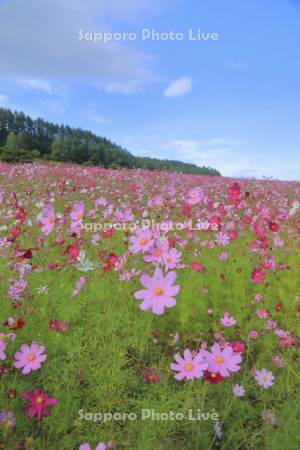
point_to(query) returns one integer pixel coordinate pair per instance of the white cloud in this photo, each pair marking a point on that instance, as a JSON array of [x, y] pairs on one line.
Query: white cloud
[[3, 100], [231, 160], [179, 87], [38, 84], [100, 120], [125, 87], [40, 41]]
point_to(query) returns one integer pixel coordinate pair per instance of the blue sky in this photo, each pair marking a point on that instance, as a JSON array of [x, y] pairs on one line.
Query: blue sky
[[231, 103]]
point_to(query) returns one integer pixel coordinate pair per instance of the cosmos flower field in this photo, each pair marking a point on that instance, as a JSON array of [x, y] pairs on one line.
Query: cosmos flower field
[[147, 310]]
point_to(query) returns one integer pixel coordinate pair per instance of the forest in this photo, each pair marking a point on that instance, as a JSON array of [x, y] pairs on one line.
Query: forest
[[23, 139]]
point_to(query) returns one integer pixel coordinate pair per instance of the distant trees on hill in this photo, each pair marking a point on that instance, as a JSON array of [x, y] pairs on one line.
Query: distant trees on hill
[[23, 139]]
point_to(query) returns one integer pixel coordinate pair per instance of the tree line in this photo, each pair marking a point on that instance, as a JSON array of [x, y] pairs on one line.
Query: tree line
[[23, 139]]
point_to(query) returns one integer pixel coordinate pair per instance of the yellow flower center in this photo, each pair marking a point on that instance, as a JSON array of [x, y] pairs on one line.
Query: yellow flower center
[[143, 241], [158, 253], [219, 359], [188, 367], [79, 216], [31, 357], [265, 378], [169, 260], [39, 400], [213, 375], [159, 291]]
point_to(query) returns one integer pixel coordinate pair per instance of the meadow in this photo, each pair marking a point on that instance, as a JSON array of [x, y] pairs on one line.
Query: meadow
[[147, 310]]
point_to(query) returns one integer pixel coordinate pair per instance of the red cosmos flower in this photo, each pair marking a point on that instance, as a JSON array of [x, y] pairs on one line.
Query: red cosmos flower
[[212, 377], [107, 267], [215, 222], [107, 233], [234, 192], [58, 325], [237, 346], [27, 253], [113, 260], [171, 242], [156, 335], [222, 209], [186, 210], [21, 214], [16, 325], [257, 276], [38, 402], [53, 265], [101, 255], [73, 251], [197, 267], [233, 235], [15, 232], [3, 370], [151, 376], [273, 226]]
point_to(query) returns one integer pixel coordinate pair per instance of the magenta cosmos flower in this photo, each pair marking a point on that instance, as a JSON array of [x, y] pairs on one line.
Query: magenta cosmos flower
[[86, 446], [38, 403], [222, 361], [29, 357], [48, 219], [159, 293], [264, 378], [142, 241], [189, 367], [257, 276]]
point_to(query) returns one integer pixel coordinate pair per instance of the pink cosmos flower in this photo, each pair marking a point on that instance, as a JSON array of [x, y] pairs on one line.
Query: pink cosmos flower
[[48, 219], [159, 293], [195, 196], [171, 259], [222, 361], [264, 378], [222, 238], [277, 242], [238, 390], [223, 256], [189, 367], [227, 320], [253, 334], [261, 313], [2, 350], [17, 288], [85, 446], [38, 403], [285, 338], [142, 241], [29, 357], [278, 361], [58, 325], [77, 215], [79, 285], [271, 325], [157, 252]]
